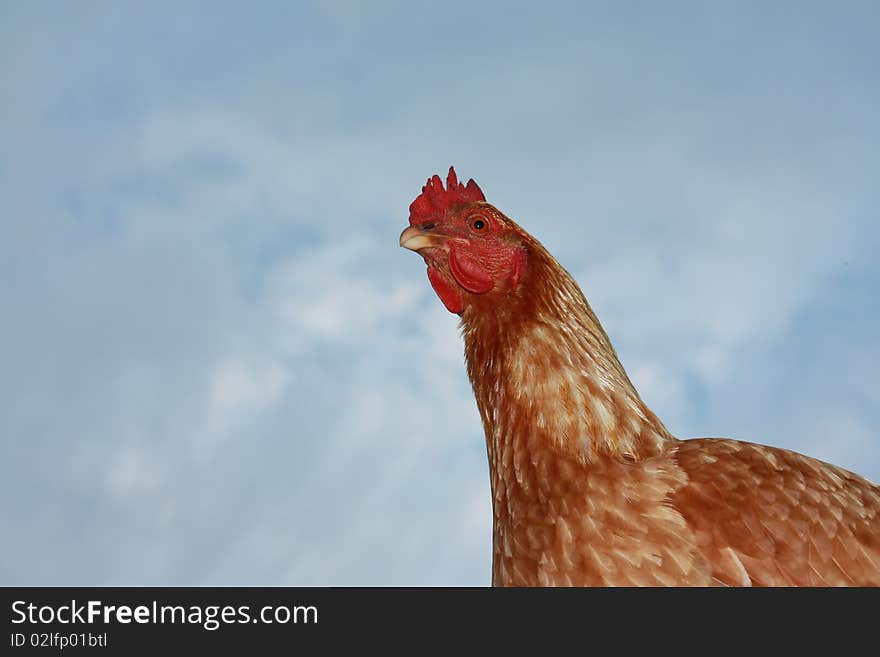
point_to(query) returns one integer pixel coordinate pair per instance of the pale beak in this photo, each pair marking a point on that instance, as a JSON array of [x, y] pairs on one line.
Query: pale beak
[[415, 238]]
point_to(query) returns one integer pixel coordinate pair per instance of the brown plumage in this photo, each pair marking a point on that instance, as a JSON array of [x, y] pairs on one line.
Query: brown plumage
[[588, 487]]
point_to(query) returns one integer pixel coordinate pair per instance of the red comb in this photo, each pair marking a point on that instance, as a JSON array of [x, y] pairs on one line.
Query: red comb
[[434, 200]]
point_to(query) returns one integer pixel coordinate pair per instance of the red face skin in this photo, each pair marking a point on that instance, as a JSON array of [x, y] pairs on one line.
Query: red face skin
[[473, 256]]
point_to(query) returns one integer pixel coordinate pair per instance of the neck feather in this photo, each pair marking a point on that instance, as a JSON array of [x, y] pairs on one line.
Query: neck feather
[[544, 372]]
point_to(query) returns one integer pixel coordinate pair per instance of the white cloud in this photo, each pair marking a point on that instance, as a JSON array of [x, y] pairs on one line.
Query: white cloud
[[132, 471], [239, 386]]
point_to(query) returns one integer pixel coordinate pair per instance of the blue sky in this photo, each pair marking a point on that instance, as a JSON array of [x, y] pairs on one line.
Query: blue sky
[[220, 368]]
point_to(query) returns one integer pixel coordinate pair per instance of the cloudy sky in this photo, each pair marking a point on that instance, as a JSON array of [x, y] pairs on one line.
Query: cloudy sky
[[218, 367]]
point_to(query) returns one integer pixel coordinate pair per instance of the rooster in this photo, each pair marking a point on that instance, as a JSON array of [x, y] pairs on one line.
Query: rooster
[[588, 486]]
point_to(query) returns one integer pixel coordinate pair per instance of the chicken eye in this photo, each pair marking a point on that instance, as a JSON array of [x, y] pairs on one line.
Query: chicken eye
[[479, 224]]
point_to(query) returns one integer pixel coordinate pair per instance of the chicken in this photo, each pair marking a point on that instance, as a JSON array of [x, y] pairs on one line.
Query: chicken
[[588, 486]]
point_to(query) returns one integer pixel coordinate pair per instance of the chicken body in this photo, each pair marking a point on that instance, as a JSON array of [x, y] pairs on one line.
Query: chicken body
[[588, 487]]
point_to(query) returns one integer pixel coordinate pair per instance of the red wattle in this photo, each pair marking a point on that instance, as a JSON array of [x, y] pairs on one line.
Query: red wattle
[[446, 291], [468, 272]]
